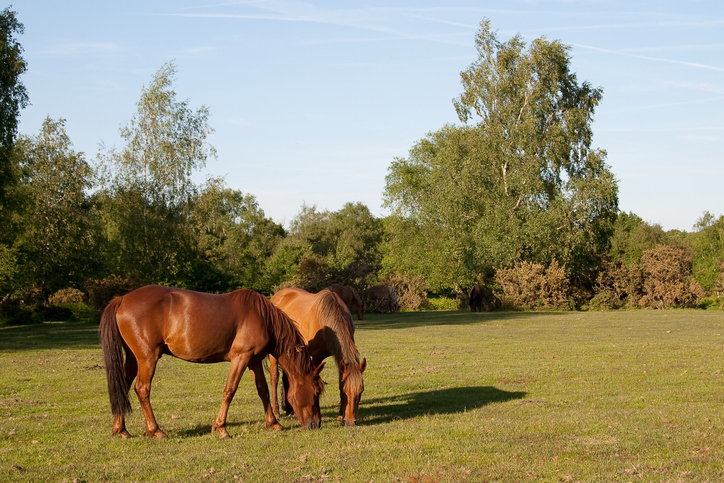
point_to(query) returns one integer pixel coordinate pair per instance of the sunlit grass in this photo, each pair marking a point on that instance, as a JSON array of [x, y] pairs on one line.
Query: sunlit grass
[[450, 396]]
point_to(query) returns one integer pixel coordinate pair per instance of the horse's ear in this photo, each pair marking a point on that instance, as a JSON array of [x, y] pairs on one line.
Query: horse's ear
[[319, 369], [342, 366], [363, 365]]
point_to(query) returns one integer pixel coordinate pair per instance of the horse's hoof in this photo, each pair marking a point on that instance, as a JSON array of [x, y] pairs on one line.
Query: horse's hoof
[[224, 435], [125, 434], [158, 434]]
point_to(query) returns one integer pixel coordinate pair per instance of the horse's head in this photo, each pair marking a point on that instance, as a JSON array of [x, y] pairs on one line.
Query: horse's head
[[303, 395], [351, 387]]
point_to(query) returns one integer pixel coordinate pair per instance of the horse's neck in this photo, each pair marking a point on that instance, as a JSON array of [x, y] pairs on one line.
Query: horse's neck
[[343, 348]]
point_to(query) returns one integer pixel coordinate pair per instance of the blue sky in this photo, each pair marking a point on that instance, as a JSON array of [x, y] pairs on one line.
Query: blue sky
[[311, 101]]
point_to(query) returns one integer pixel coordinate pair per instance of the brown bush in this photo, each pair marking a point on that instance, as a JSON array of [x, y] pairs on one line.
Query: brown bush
[[67, 296], [531, 285], [668, 281], [100, 292], [411, 293], [618, 285]]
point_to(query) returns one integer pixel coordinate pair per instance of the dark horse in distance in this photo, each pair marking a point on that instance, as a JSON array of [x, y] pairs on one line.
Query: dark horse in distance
[[241, 327], [477, 297]]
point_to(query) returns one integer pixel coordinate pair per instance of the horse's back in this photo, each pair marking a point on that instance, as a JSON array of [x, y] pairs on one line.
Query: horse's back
[[190, 325]]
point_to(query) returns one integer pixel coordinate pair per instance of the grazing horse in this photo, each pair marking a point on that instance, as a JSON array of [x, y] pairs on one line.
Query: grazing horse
[[326, 324], [241, 327], [477, 295], [382, 298], [350, 297]]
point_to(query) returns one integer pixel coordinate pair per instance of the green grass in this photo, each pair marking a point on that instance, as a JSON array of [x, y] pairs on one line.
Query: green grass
[[450, 396]]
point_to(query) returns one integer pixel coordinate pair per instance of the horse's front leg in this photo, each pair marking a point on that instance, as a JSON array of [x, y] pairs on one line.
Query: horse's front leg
[[274, 379], [257, 371], [238, 366]]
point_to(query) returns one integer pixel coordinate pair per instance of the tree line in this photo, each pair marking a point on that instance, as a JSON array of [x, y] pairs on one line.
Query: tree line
[[514, 198]]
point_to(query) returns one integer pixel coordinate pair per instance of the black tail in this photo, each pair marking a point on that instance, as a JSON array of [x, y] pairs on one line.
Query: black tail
[[112, 345]]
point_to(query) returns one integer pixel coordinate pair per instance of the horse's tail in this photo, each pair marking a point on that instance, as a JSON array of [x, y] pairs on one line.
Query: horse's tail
[[112, 345]]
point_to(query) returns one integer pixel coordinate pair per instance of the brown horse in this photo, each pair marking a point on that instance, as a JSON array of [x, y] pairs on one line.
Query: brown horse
[[326, 324], [241, 327], [350, 297]]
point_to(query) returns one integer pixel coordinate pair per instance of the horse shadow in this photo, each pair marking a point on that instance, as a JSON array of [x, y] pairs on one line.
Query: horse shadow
[[441, 401]]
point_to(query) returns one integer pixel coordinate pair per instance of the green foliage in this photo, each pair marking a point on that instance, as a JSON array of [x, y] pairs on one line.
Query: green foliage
[[147, 203], [329, 247], [708, 244], [521, 183], [57, 238], [13, 98], [102, 291], [13, 311], [234, 238], [632, 236]]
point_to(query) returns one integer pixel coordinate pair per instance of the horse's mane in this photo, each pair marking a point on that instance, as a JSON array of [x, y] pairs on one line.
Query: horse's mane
[[331, 314], [287, 338]]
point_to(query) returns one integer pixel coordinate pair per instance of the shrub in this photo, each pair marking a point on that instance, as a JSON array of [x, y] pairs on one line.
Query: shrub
[[618, 285], [668, 281], [443, 303], [411, 293], [14, 312], [67, 296], [531, 285], [100, 292], [55, 312]]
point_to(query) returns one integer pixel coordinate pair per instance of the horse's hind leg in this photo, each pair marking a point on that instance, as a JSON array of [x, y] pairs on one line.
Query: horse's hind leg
[[238, 365], [274, 379], [146, 370], [257, 371]]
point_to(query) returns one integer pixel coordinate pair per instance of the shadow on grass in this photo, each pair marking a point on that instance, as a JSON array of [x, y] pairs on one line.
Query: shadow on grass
[[405, 320], [443, 401], [81, 334]]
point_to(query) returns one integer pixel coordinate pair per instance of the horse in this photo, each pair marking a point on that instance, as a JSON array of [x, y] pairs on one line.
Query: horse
[[241, 327], [382, 298], [350, 297], [476, 297], [326, 324]]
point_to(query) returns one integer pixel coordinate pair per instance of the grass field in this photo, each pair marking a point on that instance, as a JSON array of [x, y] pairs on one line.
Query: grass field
[[450, 396]]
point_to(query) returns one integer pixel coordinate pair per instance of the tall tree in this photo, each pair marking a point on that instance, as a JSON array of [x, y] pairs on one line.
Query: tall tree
[[151, 190], [518, 181], [56, 240], [235, 239], [325, 247], [13, 97]]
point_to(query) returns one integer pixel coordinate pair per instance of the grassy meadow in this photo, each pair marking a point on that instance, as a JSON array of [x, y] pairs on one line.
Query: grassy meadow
[[450, 396]]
